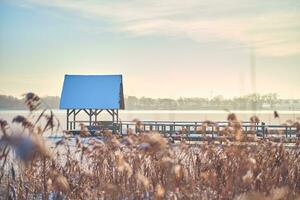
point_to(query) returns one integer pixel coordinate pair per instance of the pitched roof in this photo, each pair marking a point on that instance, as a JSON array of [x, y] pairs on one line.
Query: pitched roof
[[92, 92]]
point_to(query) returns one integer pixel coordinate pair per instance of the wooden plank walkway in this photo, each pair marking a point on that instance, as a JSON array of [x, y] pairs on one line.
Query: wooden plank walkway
[[191, 130]]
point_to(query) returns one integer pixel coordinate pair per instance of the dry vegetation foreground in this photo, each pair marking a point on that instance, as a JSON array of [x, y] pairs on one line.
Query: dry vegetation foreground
[[144, 166]]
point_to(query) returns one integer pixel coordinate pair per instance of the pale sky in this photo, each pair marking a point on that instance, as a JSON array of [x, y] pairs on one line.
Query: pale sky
[[191, 48]]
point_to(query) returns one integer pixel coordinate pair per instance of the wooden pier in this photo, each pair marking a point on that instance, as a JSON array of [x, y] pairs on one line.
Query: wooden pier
[[99, 93], [191, 130]]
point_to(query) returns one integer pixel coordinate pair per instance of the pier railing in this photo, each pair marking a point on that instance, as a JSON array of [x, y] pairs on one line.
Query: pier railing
[[192, 129]]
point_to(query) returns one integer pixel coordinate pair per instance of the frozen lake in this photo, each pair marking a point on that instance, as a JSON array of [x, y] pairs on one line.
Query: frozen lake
[[170, 115]]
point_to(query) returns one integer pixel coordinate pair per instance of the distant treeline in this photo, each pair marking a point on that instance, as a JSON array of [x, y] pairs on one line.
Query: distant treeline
[[247, 102], [13, 103]]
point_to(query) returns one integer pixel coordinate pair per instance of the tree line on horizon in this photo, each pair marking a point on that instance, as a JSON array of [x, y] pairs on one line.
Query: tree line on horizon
[[247, 102]]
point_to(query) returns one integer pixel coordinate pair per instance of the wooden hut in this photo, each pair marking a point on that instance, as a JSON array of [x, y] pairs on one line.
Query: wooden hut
[[92, 94]]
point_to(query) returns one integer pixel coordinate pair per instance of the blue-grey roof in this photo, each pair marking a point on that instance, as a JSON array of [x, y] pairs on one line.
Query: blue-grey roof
[[92, 92]]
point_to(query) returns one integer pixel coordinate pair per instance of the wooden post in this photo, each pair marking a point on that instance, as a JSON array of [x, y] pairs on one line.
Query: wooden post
[[90, 116], [74, 119], [118, 120], [67, 119], [113, 120], [96, 114], [263, 129], [117, 115]]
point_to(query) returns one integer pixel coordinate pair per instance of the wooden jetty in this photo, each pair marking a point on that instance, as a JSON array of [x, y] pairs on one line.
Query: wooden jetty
[[188, 129], [93, 94]]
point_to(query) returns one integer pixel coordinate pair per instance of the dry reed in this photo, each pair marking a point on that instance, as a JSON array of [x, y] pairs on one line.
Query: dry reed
[[143, 165]]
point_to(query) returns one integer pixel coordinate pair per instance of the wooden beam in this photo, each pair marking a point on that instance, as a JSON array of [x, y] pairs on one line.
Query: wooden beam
[[67, 119], [91, 114], [109, 112], [70, 113], [117, 115], [113, 121], [118, 120], [78, 111], [95, 113], [86, 112], [99, 111], [113, 115], [74, 119]]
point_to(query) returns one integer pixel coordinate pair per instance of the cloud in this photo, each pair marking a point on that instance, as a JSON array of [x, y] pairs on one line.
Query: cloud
[[272, 29]]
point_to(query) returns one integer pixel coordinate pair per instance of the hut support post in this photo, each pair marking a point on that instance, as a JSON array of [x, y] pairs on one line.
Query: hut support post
[[117, 116], [113, 120], [74, 119], [90, 117], [96, 114], [67, 119], [118, 127]]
